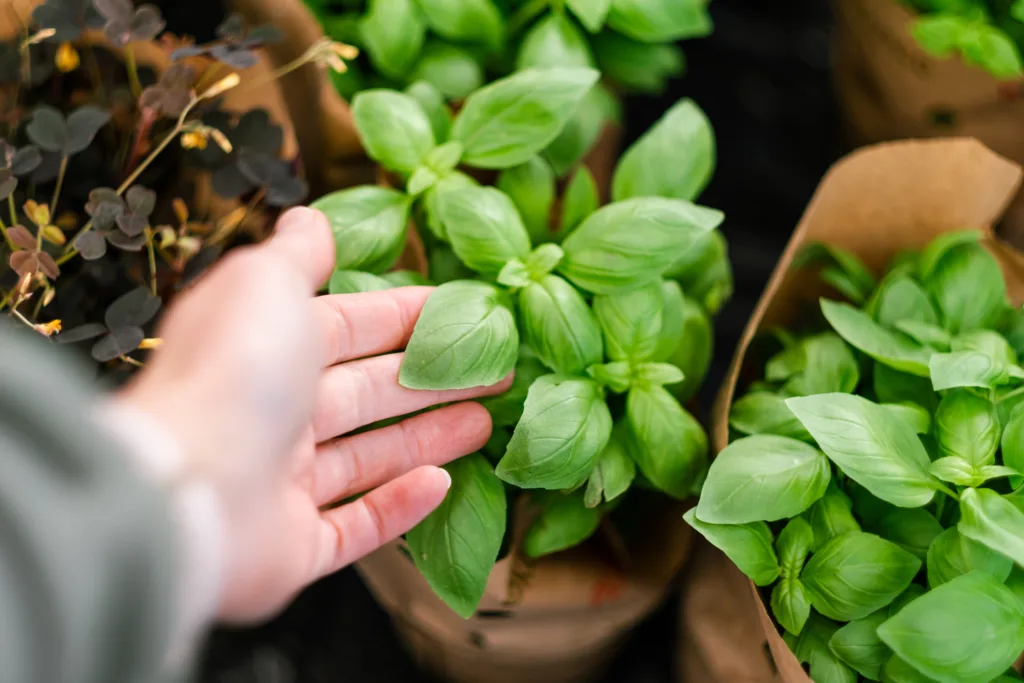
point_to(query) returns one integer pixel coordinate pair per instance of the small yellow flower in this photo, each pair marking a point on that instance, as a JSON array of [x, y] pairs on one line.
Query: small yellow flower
[[37, 213], [194, 139], [48, 329], [152, 343], [38, 37], [48, 296], [221, 139], [67, 58], [222, 86], [345, 51]]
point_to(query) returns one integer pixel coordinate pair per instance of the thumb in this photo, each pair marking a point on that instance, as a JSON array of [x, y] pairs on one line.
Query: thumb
[[304, 239]]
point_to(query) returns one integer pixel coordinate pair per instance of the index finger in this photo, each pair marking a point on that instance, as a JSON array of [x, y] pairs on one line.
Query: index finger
[[304, 239], [370, 323]]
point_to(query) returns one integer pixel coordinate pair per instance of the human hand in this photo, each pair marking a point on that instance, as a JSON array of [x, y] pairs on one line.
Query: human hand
[[260, 379]]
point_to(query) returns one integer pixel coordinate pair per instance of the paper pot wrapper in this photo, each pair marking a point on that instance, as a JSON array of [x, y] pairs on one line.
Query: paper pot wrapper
[[875, 203], [558, 619]]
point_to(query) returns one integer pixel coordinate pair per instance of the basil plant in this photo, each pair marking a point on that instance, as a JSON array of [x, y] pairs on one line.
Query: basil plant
[[874, 484], [602, 312]]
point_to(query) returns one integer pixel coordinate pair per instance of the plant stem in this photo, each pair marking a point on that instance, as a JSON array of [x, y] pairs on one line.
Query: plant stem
[[277, 73], [152, 261], [60, 184], [133, 71], [524, 14], [39, 307], [17, 314], [14, 211], [7, 238], [131, 361]]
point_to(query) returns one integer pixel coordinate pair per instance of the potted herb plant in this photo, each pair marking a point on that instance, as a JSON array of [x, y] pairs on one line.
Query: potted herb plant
[[867, 481], [131, 160], [585, 303]]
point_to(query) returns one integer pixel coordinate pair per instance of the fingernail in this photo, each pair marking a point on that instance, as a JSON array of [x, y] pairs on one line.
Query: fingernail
[[447, 478], [295, 218]]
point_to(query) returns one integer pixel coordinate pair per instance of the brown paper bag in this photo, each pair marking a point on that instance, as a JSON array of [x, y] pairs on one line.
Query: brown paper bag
[[558, 619], [889, 89], [876, 202]]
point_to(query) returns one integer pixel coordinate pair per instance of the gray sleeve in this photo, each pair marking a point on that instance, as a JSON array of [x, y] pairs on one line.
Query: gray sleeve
[[86, 551]]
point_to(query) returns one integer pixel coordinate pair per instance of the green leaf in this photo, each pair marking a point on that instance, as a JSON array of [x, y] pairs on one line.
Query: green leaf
[[565, 427], [748, 546], [394, 129], [614, 472], [431, 201], [669, 445], [450, 69], [828, 366], [912, 529], [456, 546], [763, 413], [940, 246], [870, 445], [421, 180], [954, 470], [966, 369], [531, 187], [405, 278], [630, 322], [705, 273], [675, 158], [465, 20], [790, 604], [968, 285], [444, 158], [369, 225], [628, 244], [994, 50], [951, 555], [617, 376], [445, 266], [901, 299], [892, 386], [856, 574], [637, 66], [465, 337], [925, 334], [938, 34], [762, 478], [591, 13], [897, 670], [811, 647], [992, 520], [992, 344], [647, 375], [793, 545], [507, 408], [913, 414], [968, 630], [858, 645], [563, 522], [355, 281], [967, 426], [1013, 443], [685, 340], [579, 201], [432, 101], [559, 325], [510, 120], [483, 227], [660, 21], [863, 333], [831, 516], [860, 279], [392, 32], [555, 39], [580, 134], [543, 260]]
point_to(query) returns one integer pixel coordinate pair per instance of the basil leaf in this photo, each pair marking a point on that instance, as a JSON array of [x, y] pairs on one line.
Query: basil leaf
[[457, 544], [897, 670], [685, 340], [355, 281], [955, 470], [507, 408], [1013, 443], [617, 376], [531, 187], [369, 225], [393, 128], [967, 426], [870, 445], [465, 337], [631, 322], [559, 325], [831, 516], [554, 40], [660, 21], [465, 20], [591, 13], [579, 201], [647, 375], [392, 32], [992, 344], [968, 285], [828, 366], [966, 369], [912, 414], [580, 134], [432, 101], [763, 413], [445, 266], [564, 521], [925, 334], [857, 644], [793, 545], [614, 472], [992, 520], [483, 227], [968, 630], [450, 69], [705, 273], [845, 263], [856, 574], [893, 386], [748, 546], [952, 554], [636, 66], [565, 427], [675, 158], [670, 446], [940, 246], [863, 333], [762, 478], [901, 299], [790, 604], [912, 529], [811, 647], [432, 200], [628, 244], [405, 278], [510, 120]]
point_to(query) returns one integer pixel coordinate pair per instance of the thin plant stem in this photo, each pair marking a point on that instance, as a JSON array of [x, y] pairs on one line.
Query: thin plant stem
[[152, 261], [38, 308], [92, 65], [279, 72], [7, 238], [7, 297], [133, 71], [14, 211], [60, 183], [131, 361], [17, 314]]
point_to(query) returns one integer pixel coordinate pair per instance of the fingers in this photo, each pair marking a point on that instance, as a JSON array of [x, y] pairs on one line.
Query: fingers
[[357, 529], [368, 324], [351, 465], [304, 239], [361, 392]]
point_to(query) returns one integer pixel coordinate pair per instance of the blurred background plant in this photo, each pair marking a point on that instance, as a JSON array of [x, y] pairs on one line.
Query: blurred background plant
[[985, 33]]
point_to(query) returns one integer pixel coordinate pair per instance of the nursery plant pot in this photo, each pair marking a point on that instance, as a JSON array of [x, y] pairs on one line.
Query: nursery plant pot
[[558, 619], [874, 203], [889, 89]]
